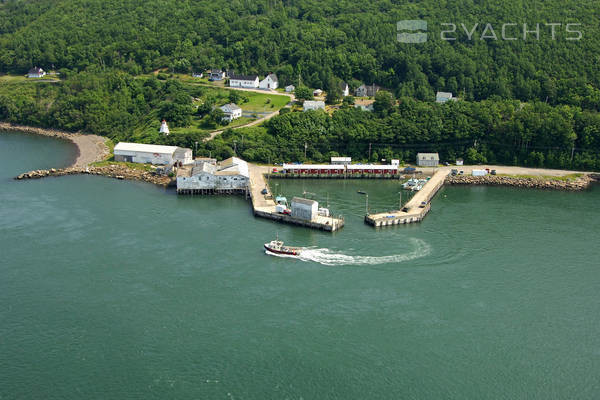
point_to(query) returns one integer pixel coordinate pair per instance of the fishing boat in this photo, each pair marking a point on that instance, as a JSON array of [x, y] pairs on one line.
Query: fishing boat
[[361, 192], [277, 247]]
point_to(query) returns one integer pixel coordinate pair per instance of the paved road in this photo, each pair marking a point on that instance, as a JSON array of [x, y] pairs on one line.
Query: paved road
[[255, 122]]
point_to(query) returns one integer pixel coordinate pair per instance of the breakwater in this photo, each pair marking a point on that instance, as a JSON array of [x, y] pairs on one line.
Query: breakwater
[[413, 211], [575, 184], [110, 171]]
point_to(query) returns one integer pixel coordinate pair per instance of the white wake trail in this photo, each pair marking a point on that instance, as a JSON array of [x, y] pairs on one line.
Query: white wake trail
[[328, 257]]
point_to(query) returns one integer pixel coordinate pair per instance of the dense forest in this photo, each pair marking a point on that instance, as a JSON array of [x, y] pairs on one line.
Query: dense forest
[[320, 39], [524, 101]]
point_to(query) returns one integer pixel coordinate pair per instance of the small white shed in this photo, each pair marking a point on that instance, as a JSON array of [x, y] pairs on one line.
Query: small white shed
[[304, 208]]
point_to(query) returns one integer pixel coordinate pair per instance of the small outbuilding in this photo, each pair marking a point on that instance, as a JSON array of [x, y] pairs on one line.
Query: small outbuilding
[[459, 161], [428, 159], [304, 208], [341, 160], [36, 72], [442, 97], [152, 154], [313, 105], [290, 88]]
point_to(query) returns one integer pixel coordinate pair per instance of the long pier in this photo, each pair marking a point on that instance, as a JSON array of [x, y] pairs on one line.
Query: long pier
[[263, 205], [416, 209]]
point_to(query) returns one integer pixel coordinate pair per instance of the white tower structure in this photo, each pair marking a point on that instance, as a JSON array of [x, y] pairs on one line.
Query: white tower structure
[[164, 128]]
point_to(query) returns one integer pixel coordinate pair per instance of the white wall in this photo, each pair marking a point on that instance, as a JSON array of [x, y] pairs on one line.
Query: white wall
[[244, 84]]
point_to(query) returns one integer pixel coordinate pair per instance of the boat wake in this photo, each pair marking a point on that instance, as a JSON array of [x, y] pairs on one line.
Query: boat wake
[[331, 258]]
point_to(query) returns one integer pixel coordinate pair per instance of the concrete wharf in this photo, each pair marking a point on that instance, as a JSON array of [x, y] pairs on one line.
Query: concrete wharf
[[416, 209], [264, 205]]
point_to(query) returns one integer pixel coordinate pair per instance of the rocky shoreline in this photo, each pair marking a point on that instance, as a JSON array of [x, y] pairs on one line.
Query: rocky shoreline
[[110, 171], [577, 184]]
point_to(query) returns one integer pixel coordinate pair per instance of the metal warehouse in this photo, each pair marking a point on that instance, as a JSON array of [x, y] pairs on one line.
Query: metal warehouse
[[152, 154]]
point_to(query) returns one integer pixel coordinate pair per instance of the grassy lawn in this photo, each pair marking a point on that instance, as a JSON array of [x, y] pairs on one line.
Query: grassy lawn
[[564, 178], [24, 78]]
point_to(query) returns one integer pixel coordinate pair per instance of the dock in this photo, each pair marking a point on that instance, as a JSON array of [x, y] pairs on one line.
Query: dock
[[263, 205], [416, 209]]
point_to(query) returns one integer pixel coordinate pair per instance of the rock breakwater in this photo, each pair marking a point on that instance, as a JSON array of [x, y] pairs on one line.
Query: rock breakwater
[[580, 183], [111, 171]]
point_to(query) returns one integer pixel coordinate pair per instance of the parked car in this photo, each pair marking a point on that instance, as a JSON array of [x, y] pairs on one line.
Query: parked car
[[264, 191], [493, 172], [454, 172]]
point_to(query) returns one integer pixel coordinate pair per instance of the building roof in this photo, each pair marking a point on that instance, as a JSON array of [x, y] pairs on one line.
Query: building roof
[[233, 166], [273, 77], [341, 159], [230, 108], [307, 202], [343, 85], [314, 103], [428, 156], [290, 86], [243, 77], [145, 148], [443, 96], [36, 70]]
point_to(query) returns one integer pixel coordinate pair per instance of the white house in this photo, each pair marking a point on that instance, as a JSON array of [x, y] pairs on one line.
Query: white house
[[428, 159], [152, 153], [345, 89], [304, 208], [317, 92], [341, 160], [36, 72], [270, 82], [229, 175], [290, 88], [442, 97], [244, 81], [232, 111], [197, 74], [313, 105], [164, 128], [367, 90]]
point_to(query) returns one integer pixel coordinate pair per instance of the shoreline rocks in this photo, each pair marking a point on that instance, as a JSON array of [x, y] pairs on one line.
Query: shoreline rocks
[[110, 171], [578, 184]]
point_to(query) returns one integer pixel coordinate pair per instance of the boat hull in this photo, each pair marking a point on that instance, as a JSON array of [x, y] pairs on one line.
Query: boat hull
[[286, 252]]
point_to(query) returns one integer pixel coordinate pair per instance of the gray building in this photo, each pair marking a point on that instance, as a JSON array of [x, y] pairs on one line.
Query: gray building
[[304, 208], [428, 159]]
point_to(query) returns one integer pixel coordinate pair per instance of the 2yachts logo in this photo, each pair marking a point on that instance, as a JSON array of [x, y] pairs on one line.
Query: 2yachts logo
[[408, 31]]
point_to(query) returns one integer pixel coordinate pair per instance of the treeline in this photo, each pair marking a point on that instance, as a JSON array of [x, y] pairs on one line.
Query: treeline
[[320, 40], [497, 132]]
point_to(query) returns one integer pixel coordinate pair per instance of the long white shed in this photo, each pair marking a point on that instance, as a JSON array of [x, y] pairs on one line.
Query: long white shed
[[152, 153]]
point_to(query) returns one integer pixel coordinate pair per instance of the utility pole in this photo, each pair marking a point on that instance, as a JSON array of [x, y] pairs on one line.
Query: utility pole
[[235, 147], [242, 142], [196, 144], [400, 201], [369, 151], [305, 147]]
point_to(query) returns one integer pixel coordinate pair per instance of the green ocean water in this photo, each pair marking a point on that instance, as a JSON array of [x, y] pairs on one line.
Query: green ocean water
[[122, 290]]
